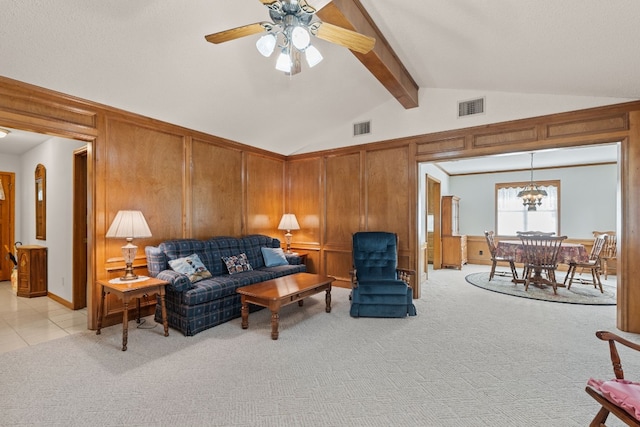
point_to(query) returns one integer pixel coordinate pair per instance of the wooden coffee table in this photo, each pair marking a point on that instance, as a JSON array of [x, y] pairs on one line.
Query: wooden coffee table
[[279, 292]]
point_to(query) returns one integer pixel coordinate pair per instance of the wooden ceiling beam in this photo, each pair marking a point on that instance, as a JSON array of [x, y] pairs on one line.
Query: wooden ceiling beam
[[382, 61]]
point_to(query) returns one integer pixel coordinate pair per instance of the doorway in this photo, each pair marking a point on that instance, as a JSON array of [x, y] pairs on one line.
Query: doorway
[[428, 225], [80, 277], [434, 244], [67, 160], [7, 221]]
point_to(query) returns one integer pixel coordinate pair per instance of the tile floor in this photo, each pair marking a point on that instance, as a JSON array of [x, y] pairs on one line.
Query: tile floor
[[29, 321]]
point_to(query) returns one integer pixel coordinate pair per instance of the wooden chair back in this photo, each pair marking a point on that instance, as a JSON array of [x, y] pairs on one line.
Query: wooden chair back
[[535, 233], [608, 405], [610, 249], [598, 245], [541, 251], [491, 242]]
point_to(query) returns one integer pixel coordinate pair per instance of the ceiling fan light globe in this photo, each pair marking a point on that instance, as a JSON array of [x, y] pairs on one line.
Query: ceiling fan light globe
[[266, 45], [300, 37], [313, 56], [284, 62]]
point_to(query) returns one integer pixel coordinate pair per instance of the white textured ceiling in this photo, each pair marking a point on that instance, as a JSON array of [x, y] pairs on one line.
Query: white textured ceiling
[[150, 57]]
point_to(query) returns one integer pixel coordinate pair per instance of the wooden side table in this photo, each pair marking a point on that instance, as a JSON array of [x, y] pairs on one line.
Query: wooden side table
[[128, 290]]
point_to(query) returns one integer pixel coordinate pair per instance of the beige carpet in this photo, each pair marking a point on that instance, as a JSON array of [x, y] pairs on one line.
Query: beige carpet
[[470, 358]]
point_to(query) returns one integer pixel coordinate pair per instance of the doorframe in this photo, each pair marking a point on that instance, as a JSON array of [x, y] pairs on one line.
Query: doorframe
[[433, 198], [9, 226], [429, 192], [80, 276]]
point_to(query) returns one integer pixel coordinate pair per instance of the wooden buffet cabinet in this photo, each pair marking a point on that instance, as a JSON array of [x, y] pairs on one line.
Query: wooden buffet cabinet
[[32, 271], [454, 245]]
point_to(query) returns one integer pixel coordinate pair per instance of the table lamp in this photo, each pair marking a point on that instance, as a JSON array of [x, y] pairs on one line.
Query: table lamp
[[288, 222], [129, 225]]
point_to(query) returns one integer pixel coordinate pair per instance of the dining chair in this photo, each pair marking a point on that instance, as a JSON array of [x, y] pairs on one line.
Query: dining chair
[[593, 264], [541, 255], [617, 396], [495, 259], [610, 250]]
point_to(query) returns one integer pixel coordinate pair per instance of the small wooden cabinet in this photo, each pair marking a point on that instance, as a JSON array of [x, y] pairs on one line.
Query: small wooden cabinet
[[454, 245], [32, 271], [454, 251]]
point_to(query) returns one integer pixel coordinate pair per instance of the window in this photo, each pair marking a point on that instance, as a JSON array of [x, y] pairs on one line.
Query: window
[[512, 216]]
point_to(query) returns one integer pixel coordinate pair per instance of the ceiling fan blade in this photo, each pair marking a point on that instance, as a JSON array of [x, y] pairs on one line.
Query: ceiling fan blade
[[342, 36], [315, 4], [236, 33]]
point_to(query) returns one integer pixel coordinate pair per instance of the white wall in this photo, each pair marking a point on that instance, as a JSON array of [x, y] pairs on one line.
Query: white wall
[[588, 198], [438, 111], [56, 154]]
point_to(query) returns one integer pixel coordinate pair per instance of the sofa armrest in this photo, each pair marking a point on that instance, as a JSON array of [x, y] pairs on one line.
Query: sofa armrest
[[178, 282]]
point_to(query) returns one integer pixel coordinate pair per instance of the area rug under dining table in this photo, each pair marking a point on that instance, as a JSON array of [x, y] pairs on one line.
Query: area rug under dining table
[[578, 294]]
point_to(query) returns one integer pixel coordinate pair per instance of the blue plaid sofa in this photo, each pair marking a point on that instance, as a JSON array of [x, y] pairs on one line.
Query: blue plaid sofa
[[194, 307]]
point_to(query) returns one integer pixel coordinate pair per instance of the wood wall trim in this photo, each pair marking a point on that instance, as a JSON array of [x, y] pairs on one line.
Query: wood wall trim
[[617, 122], [513, 136], [382, 61], [442, 146]]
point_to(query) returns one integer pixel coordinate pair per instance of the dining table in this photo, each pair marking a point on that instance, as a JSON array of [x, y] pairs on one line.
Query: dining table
[[570, 253]]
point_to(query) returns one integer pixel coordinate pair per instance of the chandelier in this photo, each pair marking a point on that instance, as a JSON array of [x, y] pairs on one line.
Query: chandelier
[[291, 33], [532, 195]]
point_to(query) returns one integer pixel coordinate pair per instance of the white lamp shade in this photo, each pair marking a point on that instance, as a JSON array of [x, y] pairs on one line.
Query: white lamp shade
[[284, 62], [313, 56], [288, 222], [266, 44], [129, 224], [300, 38]]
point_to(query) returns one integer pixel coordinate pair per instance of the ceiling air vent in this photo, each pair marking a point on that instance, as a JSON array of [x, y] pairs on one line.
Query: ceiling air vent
[[362, 128], [468, 108]]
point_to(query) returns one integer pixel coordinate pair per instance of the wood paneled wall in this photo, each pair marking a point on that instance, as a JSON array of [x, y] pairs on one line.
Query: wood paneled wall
[[190, 184], [186, 183], [335, 195]]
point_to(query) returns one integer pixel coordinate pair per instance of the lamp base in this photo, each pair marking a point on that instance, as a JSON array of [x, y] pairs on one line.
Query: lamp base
[[287, 240], [128, 273], [129, 254]]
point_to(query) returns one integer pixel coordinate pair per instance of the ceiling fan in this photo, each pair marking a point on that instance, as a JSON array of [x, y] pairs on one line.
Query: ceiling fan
[[293, 24]]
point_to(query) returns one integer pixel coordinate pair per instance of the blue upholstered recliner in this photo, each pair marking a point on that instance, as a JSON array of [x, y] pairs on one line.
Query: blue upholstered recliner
[[380, 288]]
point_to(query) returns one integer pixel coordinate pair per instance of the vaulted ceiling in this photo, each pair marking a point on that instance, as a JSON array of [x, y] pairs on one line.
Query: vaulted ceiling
[[150, 57]]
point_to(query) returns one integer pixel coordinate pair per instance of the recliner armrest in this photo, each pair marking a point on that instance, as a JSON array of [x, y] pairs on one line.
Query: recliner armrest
[[405, 275]]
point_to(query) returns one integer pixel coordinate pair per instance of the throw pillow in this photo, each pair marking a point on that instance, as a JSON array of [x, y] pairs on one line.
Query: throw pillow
[[273, 257], [192, 266], [237, 263]]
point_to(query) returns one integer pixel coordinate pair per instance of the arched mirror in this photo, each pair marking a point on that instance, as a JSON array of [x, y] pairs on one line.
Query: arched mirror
[[41, 202]]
